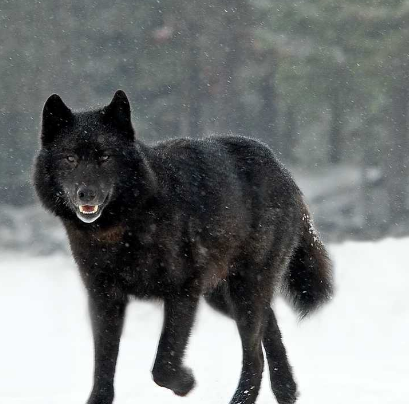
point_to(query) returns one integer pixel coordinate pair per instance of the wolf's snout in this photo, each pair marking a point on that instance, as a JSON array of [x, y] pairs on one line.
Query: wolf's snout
[[86, 194]]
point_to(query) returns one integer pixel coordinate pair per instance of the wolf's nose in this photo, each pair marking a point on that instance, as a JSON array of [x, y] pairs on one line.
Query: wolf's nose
[[86, 194]]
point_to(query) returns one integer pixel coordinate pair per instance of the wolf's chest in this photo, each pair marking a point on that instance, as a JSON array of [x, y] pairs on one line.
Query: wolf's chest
[[139, 263]]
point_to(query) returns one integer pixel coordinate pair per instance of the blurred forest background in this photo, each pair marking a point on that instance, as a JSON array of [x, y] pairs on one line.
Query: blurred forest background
[[323, 82]]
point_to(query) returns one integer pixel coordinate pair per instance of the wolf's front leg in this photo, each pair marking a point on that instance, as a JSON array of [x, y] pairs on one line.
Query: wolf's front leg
[[107, 317], [168, 370]]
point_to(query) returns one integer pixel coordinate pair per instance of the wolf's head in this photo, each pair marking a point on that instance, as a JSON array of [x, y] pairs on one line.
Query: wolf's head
[[89, 160]]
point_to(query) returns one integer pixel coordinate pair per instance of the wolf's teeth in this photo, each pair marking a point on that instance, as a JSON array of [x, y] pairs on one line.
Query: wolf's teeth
[[88, 209]]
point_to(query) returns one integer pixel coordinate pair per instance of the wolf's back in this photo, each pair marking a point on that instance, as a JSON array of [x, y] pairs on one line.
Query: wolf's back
[[308, 282]]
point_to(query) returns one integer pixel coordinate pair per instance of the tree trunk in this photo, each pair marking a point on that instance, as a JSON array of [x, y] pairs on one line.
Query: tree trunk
[[335, 144], [191, 122], [269, 112], [289, 135], [396, 159], [231, 115], [228, 97]]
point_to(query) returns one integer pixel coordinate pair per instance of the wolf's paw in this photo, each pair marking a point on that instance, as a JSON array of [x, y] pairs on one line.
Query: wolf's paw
[[180, 380], [102, 396], [100, 400], [287, 394]]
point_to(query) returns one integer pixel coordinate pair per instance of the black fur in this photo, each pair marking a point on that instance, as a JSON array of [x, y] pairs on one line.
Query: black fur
[[218, 217]]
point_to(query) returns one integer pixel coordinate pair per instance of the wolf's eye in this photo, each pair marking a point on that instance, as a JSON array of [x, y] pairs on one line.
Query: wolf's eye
[[71, 159], [104, 158]]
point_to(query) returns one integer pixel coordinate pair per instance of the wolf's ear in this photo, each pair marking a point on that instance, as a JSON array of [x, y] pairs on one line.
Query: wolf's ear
[[56, 115], [118, 114]]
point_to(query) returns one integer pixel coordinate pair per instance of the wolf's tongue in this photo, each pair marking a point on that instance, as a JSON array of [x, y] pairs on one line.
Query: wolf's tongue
[[88, 208]]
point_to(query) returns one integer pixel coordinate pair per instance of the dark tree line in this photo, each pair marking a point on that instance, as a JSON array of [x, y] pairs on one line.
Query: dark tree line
[[324, 82]]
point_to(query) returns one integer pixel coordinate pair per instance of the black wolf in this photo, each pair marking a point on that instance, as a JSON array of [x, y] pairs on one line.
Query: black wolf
[[217, 217]]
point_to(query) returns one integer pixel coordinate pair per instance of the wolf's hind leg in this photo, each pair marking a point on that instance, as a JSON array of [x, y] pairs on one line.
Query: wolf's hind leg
[[234, 300], [281, 377], [168, 370], [248, 310]]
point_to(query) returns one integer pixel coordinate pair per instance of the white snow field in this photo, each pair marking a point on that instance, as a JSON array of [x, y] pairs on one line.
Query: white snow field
[[356, 350]]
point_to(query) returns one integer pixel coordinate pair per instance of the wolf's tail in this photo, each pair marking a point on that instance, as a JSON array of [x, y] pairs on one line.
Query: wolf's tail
[[308, 282]]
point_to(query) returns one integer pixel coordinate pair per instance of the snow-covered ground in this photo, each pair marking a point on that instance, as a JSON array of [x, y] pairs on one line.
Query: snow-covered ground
[[354, 351]]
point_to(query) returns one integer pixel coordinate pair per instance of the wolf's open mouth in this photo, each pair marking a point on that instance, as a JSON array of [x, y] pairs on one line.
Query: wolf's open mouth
[[89, 213], [88, 209]]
